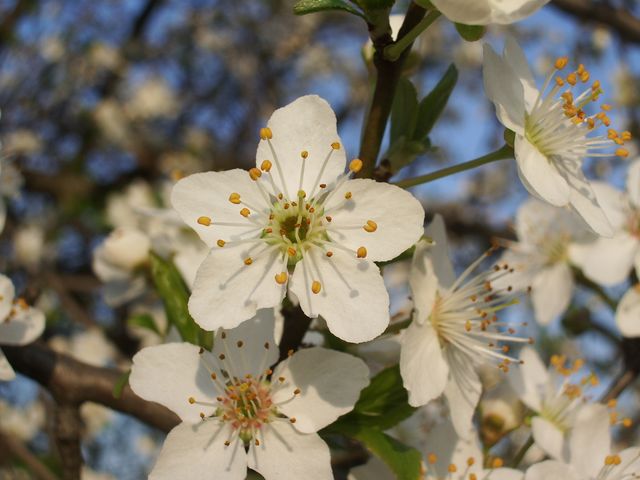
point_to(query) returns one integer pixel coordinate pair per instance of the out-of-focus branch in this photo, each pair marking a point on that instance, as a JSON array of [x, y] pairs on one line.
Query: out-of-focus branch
[[296, 324], [620, 383], [618, 19], [72, 382], [14, 448], [67, 433]]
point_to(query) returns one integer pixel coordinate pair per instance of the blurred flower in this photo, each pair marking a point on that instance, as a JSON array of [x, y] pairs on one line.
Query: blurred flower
[[22, 142], [152, 98], [112, 121], [314, 223], [123, 208], [23, 422], [628, 312], [308, 391], [553, 136], [626, 87], [19, 323], [104, 56], [500, 412], [29, 245], [485, 12]]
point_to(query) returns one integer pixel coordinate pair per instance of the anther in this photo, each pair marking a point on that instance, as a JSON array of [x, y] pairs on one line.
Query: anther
[[292, 419], [281, 278], [265, 166], [227, 443], [572, 78], [348, 195], [206, 221], [323, 185], [361, 252], [301, 194], [248, 261], [370, 226], [622, 152], [234, 198], [316, 287], [355, 165], [291, 251], [221, 243], [266, 345], [296, 391], [335, 145], [328, 218], [255, 173], [245, 212], [304, 154], [452, 468], [432, 458], [497, 462], [213, 376], [561, 62], [329, 254], [239, 343], [266, 133], [222, 356], [192, 400]]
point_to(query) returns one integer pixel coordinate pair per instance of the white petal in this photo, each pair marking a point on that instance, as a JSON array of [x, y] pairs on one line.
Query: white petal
[[506, 12], [7, 293], [551, 470], [207, 195], [440, 258], [629, 462], [250, 347], [614, 203], [286, 454], [422, 365], [633, 182], [373, 469], [462, 391], [530, 379], [590, 439], [119, 292], [188, 260], [353, 299], [502, 474], [6, 372], [398, 214], [105, 270], [504, 89], [607, 261], [628, 313], [551, 292], [23, 327], [170, 374], [463, 11], [514, 56], [539, 174], [227, 292], [197, 452], [329, 381], [549, 438], [449, 448], [306, 124]]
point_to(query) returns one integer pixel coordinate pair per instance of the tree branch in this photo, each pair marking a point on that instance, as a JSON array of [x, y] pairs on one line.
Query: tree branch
[[17, 450]]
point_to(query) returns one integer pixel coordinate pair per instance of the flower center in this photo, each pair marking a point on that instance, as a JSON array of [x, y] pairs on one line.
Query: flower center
[[247, 406]]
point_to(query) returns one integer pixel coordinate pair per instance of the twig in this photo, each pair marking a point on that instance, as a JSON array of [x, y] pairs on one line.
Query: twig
[[67, 432], [625, 379], [296, 324], [16, 449]]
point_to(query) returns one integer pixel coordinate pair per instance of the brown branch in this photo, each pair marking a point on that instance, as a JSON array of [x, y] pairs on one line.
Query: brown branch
[[71, 382], [67, 432], [296, 324], [618, 386], [618, 19], [16, 449]]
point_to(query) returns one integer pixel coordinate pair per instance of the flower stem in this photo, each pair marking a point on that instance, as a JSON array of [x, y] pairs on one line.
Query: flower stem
[[501, 154], [522, 452], [393, 51]]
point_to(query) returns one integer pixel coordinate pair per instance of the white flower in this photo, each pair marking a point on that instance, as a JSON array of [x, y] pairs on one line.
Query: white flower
[[628, 312], [29, 245], [541, 258], [19, 323], [454, 329], [237, 413], [558, 403], [23, 422], [553, 133], [609, 261], [484, 12], [298, 221]]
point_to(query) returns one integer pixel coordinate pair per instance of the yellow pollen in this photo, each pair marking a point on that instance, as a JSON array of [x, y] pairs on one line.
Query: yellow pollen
[[348, 195], [291, 251], [245, 212], [370, 226], [329, 254], [361, 252], [248, 261], [627, 422], [561, 62], [612, 403], [432, 458], [255, 173], [473, 476], [355, 165], [471, 461], [220, 243], [296, 391], [622, 152], [192, 400], [301, 194], [452, 468], [281, 278], [206, 221], [265, 166], [584, 76], [626, 136], [606, 107], [497, 462], [316, 287], [335, 145], [292, 419], [559, 81], [304, 154], [266, 133], [234, 198], [572, 79]]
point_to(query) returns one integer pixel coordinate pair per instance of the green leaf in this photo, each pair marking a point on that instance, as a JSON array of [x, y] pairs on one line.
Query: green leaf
[[175, 296], [375, 4], [403, 152], [471, 33], [144, 320], [404, 111], [120, 384], [404, 461], [303, 7], [432, 106]]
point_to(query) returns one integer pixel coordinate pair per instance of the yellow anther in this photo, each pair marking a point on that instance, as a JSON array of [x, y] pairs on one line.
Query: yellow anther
[[245, 212], [626, 135], [606, 107], [497, 462], [596, 85], [221, 243], [361, 252], [297, 391], [335, 145], [266, 165], [206, 221], [281, 278], [192, 400], [473, 476], [355, 165], [580, 69], [627, 422], [328, 218], [316, 287], [329, 254], [266, 133], [471, 461], [348, 195], [304, 154], [612, 403], [370, 226], [452, 468], [248, 261], [572, 78], [559, 81], [432, 458], [291, 251], [302, 194], [622, 152], [467, 325], [292, 419], [255, 173], [584, 76], [561, 62], [234, 198]]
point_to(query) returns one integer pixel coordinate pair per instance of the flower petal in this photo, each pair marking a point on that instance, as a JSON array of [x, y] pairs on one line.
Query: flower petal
[[629, 462], [198, 452], [6, 371], [551, 470], [449, 448], [530, 379], [549, 438], [607, 261], [171, 374], [514, 56], [23, 327], [422, 364], [227, 292], [7, 294], [551, 292], [539, 174], [504, 89], [307, 124], [353, 299], [398, 216], [614, 203], [286, 454], [207, 195], [329, 381], [633, 182], [462, 391], [628, 313], [374, 468], [590, 439]]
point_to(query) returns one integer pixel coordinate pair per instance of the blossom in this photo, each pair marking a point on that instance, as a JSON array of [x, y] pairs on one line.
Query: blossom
[[19, 323], [553, 134], [628, 312], [558, 402], [485, 12], [454, 328], [237, 413], [541, 256], [609, 260], [297, 222]]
